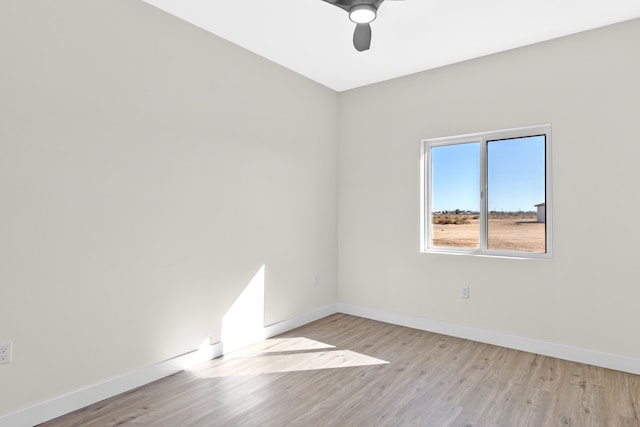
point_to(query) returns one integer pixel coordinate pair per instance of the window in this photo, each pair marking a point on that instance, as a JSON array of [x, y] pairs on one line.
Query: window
[[488, 193]]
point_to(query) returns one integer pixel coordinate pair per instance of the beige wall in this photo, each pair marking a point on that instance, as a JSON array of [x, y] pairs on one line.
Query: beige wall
[[147, 171], [585, 85]]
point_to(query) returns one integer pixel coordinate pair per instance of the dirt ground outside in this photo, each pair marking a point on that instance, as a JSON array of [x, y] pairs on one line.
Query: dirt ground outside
[[518, 232]]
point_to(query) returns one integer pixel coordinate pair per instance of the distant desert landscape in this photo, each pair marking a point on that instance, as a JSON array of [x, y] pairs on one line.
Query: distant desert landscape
[[519, 231]]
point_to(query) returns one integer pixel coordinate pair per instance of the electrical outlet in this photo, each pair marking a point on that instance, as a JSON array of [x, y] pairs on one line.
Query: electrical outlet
[[464, 292], [5, 352]]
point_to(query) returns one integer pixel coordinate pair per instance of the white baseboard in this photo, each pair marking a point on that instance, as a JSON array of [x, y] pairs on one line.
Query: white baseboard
[[78, 399], [545, 348], [296, 322]]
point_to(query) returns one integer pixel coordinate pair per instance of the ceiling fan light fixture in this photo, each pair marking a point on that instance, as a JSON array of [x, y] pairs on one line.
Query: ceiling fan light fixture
[[362, 13]]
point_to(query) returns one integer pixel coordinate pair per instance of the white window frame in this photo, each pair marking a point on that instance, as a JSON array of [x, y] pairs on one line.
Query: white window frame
[[483, 138]]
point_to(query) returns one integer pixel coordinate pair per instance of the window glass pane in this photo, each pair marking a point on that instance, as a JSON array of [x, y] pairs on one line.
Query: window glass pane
[[516, 194], [455, 201]]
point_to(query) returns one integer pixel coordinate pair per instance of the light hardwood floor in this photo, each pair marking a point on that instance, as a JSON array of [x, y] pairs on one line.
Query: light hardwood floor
[[348, 371]]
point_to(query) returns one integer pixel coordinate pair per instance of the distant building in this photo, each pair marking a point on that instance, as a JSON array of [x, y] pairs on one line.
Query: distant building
[[541, 212]]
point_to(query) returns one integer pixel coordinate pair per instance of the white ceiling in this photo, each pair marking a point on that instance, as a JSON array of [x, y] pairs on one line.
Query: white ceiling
[[314, 38]]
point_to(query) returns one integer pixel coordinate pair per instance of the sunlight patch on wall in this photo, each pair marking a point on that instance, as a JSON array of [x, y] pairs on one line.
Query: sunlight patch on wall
[[243, 323]]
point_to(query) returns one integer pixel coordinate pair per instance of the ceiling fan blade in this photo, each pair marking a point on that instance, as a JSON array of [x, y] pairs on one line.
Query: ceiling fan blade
[[362, 37]]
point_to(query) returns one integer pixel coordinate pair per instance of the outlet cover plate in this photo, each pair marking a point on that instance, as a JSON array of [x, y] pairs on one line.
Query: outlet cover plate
[[5, 352]]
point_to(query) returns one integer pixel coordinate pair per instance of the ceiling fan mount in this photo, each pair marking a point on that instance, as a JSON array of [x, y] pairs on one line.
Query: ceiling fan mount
[[362, 13]]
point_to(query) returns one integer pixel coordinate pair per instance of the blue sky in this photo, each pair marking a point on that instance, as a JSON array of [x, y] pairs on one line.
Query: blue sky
[[516, 175]]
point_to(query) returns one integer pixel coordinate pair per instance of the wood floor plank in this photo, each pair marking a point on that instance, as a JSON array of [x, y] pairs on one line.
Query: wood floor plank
[[349, 371]]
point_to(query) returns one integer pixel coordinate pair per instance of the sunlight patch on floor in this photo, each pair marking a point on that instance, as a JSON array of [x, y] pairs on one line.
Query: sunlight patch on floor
[[279, 345], [279, 355]]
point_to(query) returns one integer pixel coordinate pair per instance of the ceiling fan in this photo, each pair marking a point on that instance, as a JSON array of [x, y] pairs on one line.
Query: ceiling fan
[[362, 13]]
